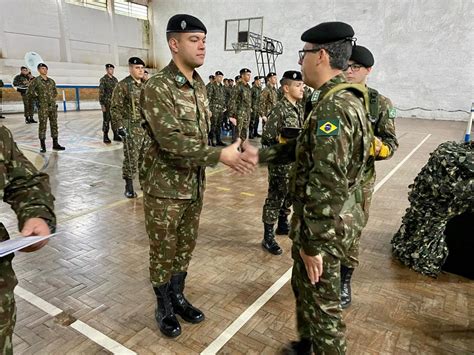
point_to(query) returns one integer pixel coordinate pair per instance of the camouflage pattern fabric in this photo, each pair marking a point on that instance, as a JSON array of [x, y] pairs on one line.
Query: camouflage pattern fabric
[[256, 92], [384, 129], [1, 96], [125, 108], [331, 153], [268, 100], [172, 174], [278, 202], [217, 105], [443, 189], [27, 191], [21, 82], [106, 88], [44, 92], [240, 107]]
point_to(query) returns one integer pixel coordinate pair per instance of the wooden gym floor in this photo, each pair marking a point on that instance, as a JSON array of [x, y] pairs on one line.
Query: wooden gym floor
[[87, 291]]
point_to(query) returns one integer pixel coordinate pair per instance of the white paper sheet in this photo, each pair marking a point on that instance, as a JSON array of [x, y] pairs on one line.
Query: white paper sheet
[[13, 245]]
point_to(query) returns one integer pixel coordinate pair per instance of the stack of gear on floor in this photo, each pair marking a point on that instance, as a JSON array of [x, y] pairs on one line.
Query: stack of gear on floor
[[444, 189]]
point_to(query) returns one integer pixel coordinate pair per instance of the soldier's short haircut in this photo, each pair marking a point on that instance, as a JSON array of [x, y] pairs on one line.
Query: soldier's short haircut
[[285, 81], [170, 35], [339, 53]]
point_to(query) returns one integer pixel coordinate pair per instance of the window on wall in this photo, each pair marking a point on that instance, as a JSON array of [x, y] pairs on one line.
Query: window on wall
[[95, 4], [127, 8]]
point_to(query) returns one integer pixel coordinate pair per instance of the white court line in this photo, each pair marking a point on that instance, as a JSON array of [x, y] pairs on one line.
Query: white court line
[[91, 333], [236, 325], [93, 162]]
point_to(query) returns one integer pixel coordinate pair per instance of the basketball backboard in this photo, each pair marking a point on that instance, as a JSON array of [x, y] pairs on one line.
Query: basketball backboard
[[243, 34]]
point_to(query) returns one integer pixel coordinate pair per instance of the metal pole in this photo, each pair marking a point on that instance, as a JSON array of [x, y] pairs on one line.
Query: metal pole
[[78, 100], [64, 102], [467, 136]]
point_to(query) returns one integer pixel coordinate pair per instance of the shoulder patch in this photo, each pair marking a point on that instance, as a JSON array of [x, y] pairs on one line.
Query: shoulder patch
[[180, 79], [315, 96], [392, 112], [328, 127]]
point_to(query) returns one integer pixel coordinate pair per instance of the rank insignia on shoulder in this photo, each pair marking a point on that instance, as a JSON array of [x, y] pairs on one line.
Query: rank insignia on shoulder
[[328, 128], [392, 112], [315, 96], [180, 79]]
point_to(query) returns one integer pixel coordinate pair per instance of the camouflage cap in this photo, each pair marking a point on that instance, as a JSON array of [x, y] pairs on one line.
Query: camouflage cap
[[362, 56], [328, 32], [185, 23]]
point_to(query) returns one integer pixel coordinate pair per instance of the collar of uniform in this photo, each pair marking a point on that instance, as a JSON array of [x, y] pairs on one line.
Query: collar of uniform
[[179, 77], [133, 81], [289, 103], [328, 85]]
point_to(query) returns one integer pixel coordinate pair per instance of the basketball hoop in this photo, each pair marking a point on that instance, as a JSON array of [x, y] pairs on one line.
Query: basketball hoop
[[237, 47]]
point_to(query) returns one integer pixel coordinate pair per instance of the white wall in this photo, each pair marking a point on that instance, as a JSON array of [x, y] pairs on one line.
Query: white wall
[[422, 48]]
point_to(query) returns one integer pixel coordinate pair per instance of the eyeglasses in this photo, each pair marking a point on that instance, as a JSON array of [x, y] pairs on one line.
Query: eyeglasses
[[303, 52], [354, 67]]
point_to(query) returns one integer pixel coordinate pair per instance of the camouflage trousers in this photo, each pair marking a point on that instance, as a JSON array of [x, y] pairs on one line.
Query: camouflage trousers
[[318, 307], [132, 145], [253, 127], [352, 259], [216, 122], [172, 227], [277, 202], [46, 113], [8, 282], [106, 118], [242, 129], [28, 106]]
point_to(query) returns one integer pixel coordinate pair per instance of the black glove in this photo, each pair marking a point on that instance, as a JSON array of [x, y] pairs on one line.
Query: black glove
[[122, 132]]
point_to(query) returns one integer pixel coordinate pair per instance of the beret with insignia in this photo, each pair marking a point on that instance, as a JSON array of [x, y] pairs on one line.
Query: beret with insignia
[[219, 73], [135, 61], [244, 71], [41, 65], [328, 32], [269, 75], [211, 77], [362, 56], [107, 66], [185, 23], [293, 75], [237, 78]]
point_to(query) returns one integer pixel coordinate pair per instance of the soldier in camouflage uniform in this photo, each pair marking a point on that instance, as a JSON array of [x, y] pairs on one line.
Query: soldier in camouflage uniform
[[1, 98], [106, 88], [286, 116], [382, 114], [43, 90], [269, 96], [176, 112], [240, 106], [126, 117], [212, 78], [256, 92], [27, 191], [21, 83], [217, 104], [331, 153]]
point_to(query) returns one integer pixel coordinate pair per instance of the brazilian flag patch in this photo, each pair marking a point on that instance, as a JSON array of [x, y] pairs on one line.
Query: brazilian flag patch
[[328, 128]]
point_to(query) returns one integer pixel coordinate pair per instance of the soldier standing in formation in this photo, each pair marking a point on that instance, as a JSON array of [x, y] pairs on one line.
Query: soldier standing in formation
[[216, 93], [1, 98], [43, 90], [240, 106], [331, 153], [106, 88], [256, 91], [27, 191], [284, 122], [382, 114], [126, 117], [212, 78], [21, 83], [175, 108], [269, 96]]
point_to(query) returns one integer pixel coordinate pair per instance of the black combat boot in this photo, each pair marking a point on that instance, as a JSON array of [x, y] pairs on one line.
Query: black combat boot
[[117, 138], [129, 193], [164, 314], [106, 138], [181, 305], [302, 347], [283, 227], [43, 146], [269, 243], [346, 275], [32, 120], [56, 145], [27, 120]]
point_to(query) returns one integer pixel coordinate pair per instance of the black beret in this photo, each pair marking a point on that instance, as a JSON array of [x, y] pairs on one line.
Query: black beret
[[109, 66], [293, 75], [362, 55], [42, 65], [237, 78], [269, 75], [146, 72], [185, 23], [328, 32], [136, 61], [23, 68], [211, 76], [244, 71], [219, 73], [255, 78], [232, 79]]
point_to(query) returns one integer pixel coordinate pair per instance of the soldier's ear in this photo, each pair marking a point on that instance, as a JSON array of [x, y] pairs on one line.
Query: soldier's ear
[[173, 44]]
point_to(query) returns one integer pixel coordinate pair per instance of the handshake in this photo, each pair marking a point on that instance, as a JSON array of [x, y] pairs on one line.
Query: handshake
[[243, 161]]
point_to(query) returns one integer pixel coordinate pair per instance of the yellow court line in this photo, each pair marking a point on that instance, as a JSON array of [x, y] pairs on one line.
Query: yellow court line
[[217, 171], [222, 188], [247, 194]]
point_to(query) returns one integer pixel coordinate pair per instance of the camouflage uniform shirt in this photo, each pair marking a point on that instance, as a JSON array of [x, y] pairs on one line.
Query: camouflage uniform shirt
[[106, 88], [125, 105], [177, 118], [268, 100], [21, 82], [240, 102], [44, 91], [216, 96]]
